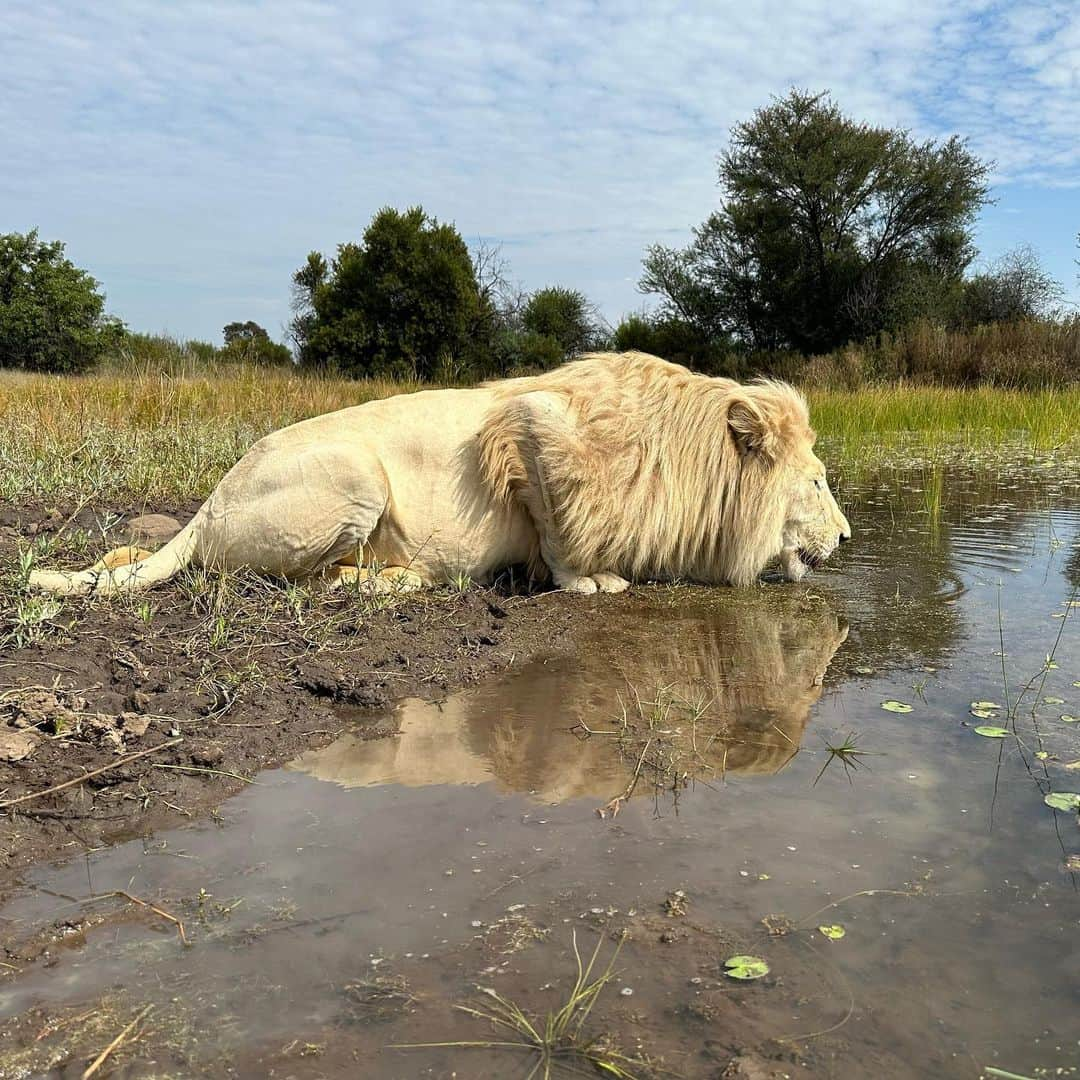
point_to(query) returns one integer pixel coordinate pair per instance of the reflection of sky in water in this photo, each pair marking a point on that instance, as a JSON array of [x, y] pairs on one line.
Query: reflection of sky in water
[[486, 801]]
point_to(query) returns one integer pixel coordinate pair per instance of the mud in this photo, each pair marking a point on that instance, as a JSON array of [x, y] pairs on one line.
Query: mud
[[103, 685]]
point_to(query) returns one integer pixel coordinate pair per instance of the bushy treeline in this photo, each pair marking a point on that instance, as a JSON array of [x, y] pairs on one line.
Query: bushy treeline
[[53, 319], [840, 250], [245, 344]]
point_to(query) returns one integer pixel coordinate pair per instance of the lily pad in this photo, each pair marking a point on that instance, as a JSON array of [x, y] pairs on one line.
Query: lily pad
[[990, 732], [1069, 719], [1077, 684], [863, 670], [985, 705], [984, 714], [896, 706], [1053, 701], [1042, 755], [834, 932], [1063, 800], [745, 967]]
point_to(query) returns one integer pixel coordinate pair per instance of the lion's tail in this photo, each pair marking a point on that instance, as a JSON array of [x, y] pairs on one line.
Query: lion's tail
[[102, 580]]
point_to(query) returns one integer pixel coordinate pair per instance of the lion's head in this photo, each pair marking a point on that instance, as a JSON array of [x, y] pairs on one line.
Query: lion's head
[[787, 490]]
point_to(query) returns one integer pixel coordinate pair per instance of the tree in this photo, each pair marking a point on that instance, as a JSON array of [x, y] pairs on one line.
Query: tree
[[52, 314], [830, 229], [563, 315], [1014, 288], [402, 303], [247, 342]]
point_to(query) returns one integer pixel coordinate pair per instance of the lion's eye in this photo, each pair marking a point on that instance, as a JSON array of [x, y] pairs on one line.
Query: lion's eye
[[819, 484]]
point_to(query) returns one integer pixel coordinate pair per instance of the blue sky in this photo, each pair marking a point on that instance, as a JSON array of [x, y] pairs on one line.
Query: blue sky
[[191, 154]]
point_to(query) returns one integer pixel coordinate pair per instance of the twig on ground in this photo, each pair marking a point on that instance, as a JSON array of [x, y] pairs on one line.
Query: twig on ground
[[614, 805], [202, 769], [100, 1059], [177, 922], [93, 772]]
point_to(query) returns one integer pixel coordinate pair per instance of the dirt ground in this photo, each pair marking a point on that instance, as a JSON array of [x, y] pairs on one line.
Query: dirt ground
[[161, 706]]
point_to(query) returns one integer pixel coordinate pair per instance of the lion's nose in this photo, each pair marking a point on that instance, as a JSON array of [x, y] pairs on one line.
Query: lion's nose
[[845, 537]]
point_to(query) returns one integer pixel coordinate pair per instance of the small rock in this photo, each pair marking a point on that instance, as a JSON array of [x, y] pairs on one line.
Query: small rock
[[16, 745], [750, 1067], [135, 726], [152, 529], [211, 754], [139, 701]]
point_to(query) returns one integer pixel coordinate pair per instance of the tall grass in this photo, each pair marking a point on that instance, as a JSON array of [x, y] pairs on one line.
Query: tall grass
[[144, 437], [885, 416], [1031, 354], [142, 432]]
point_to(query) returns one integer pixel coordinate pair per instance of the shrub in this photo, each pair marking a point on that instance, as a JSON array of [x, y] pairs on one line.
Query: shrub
[[400, 303], [52, 314]]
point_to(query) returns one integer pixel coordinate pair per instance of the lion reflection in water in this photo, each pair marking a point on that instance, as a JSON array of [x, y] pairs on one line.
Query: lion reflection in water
[[759, 661]]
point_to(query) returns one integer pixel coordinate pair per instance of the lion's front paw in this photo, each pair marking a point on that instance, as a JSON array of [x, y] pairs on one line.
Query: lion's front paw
[[587, 584], [609, 582], [573, 583]]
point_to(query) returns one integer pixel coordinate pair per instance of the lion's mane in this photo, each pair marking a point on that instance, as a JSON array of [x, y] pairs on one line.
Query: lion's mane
[[649, 469]]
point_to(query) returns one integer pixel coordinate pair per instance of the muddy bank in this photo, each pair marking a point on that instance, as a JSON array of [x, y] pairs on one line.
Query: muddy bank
[[173, 700]]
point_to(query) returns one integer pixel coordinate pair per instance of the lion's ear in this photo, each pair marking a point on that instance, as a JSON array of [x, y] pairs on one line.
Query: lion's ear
[[751, 428]]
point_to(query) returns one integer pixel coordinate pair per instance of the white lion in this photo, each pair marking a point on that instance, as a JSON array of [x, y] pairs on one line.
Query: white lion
[[613, 468]]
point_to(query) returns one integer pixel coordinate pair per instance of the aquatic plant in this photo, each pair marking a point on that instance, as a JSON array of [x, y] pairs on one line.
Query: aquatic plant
[[558, 1040]]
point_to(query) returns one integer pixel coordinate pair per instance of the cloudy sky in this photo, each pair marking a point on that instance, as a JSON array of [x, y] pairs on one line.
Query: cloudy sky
[[191, 154]]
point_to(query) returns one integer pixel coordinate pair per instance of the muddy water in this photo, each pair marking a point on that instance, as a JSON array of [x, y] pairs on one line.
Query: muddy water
[[344, 904]]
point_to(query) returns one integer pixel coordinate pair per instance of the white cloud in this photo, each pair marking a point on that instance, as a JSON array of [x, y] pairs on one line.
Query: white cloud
[[192, 153]]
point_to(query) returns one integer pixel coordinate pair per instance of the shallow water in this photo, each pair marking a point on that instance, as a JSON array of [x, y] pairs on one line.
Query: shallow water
[[410, 858]]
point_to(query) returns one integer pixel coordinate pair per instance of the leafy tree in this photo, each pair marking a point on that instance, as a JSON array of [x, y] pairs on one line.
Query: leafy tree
[[249, 343], [830, 229], [563, 315], [401, 303], [52, 314], [1014, 288]]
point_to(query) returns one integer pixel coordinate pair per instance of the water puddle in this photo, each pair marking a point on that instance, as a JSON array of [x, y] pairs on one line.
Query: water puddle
[[349, 901]]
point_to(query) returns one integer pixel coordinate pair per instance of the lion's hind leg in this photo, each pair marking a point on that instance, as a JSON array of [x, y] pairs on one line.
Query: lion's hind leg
[[388, 579], [121, 556]]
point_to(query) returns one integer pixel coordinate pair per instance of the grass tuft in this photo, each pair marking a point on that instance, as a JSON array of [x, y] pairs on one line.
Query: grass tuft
[[558, 1040]]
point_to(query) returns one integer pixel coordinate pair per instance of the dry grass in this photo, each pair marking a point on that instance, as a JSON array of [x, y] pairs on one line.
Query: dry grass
[[143, 437], [1031, 354]]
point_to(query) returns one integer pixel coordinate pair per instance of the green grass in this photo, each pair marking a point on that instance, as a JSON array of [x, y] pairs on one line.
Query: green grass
[[140, 436], [555, 1042], [892, 416]]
